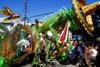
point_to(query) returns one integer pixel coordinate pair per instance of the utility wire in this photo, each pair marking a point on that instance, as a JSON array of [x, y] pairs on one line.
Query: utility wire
[[49, 6], [44, 13], [45, 8], [40, 15], [44, 4]]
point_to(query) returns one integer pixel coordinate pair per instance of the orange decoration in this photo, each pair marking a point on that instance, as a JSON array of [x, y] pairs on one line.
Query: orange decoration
[[7, 11]]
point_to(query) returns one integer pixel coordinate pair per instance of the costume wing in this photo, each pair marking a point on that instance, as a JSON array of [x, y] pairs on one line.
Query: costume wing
[[8, 18], [8, 10], [4, 12]]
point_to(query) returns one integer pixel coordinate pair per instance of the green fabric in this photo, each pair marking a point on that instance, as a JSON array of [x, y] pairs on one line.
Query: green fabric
[[63, 56], [48, 48], [67, 15], [70, 44], [36, 53], [23, 34], [3, 63], [4, 28], [71, 24], [72, 18], [66, 34]]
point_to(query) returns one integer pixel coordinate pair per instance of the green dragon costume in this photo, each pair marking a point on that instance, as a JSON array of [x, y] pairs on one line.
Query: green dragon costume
[[79, 16], [10, 53]]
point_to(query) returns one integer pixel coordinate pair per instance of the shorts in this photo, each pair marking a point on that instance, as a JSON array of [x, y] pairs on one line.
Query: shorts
[[95, 63]]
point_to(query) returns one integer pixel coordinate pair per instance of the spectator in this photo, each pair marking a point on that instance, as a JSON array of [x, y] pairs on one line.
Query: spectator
[[29, 38], [92, 45], [52, 47], [72, 54], [98, 57], [85, 45], [81, 54], [87, 55], [93, 55], [74, 43], [76, 52]]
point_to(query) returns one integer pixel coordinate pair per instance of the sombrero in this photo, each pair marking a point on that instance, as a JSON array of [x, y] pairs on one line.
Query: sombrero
[[83, 12]]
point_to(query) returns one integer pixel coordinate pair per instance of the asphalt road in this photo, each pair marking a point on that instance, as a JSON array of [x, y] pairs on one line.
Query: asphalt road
[[55, 63], [67, 63]]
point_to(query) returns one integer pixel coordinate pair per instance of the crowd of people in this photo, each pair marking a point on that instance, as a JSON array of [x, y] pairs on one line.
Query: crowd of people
[[86, 54]]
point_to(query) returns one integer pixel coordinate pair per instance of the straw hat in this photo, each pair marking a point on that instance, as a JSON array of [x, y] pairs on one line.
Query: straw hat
[[84, 11]]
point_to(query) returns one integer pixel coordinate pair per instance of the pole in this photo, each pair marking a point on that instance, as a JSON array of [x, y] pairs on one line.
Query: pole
[[25, 11]]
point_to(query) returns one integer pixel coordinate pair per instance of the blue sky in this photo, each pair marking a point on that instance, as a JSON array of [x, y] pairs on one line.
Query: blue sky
[[37, 7]]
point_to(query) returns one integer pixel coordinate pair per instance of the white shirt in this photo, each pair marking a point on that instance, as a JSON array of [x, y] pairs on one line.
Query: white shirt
[[94, 52], [80, 51], [67, 44], [49, 33]]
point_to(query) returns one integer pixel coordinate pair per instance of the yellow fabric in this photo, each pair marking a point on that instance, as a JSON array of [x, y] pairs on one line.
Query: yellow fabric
[[5, 19], [79, 16], [3, 12], [88, 9], [90, 22], [9, 11]]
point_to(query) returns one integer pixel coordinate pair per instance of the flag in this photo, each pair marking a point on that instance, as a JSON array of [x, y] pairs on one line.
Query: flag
[[64, 34]]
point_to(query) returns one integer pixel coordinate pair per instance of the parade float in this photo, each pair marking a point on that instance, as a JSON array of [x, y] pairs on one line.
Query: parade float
[[78, 17]]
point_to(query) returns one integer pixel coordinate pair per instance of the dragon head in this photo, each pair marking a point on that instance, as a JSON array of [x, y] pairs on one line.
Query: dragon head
[[3, 62]]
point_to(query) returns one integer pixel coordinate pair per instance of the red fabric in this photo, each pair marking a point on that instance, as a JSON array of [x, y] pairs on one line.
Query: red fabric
[[63, 33], [42, 44], [74, 44]]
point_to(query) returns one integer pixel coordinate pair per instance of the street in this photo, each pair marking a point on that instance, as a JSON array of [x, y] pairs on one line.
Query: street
[[69, 63]]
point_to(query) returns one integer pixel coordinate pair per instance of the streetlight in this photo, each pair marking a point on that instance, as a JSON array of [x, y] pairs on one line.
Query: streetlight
[[19, 11], [25, 2], [23, 14]]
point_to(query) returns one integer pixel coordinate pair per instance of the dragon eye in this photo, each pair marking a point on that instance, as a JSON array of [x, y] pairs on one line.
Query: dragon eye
[[6, 60]]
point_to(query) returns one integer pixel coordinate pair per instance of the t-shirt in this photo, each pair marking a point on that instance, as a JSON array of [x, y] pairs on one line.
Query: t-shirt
[[74, 44], [80, 51], [67, 44], [94, 52]]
